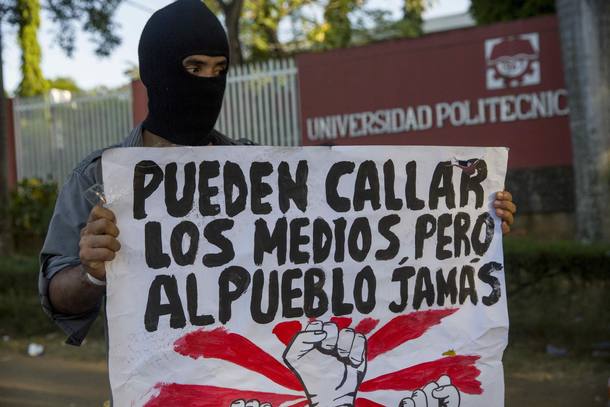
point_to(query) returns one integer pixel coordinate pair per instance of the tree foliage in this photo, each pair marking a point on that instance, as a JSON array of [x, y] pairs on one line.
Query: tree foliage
[[261, 23], [378, 24], [64, 83], [413, 11], [27, 16], [336, 30], [491, 11], [96, 17]]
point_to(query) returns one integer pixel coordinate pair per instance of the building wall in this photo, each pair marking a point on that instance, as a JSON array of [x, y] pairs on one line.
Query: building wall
[[488, 78]]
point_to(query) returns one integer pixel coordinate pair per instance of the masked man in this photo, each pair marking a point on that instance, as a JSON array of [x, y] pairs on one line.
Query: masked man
[[184, 59]]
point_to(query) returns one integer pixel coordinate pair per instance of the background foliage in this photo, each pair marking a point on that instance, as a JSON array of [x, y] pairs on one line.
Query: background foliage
[[30, 210], [491, 11]]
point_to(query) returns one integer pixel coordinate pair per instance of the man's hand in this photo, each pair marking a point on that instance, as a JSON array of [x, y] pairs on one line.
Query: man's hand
[[98, 242], [330, 363], [505, 209], [440, 393]]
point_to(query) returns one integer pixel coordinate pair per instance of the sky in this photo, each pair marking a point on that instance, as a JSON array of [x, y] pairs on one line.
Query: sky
[[90, 71]]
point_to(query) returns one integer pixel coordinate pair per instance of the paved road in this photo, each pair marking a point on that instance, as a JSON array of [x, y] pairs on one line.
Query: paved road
[[50, 381], [47, 381]]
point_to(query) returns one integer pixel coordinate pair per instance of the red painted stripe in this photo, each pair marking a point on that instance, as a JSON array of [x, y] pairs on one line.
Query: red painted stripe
[[234, 348], [285, 331], [404, 328], [366, 326], [181, 395], [460, 369], [342, 322]]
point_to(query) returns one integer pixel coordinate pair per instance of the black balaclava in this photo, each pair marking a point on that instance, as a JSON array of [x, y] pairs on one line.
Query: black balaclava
[[182, 107]]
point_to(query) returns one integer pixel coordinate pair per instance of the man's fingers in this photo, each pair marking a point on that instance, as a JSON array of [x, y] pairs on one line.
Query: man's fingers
[[506, 205], [99, 212], [332, 333], [101, 227], [448, 394], [506, 216], [504, 195], [505, 228], [344, 342], [356, 354], [96, 265], [89, 255], [100, 242]]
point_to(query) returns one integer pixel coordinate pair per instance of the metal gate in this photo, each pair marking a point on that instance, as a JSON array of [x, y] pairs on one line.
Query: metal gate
[[52, 137], [261, 104]]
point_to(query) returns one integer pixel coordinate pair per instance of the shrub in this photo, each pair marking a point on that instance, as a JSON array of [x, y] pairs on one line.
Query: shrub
[[558, 292], [21, 314], [30, 210]]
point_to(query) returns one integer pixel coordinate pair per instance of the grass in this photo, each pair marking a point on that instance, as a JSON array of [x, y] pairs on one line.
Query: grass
[[21, 314]]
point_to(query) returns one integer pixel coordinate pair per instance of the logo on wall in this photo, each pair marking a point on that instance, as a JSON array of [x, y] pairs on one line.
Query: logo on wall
[[512, 61]]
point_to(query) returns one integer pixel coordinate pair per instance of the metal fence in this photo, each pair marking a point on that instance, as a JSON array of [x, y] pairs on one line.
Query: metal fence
[[261, 104], [52, 137]]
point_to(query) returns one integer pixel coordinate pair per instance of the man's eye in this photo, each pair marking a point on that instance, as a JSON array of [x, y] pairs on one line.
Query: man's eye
[[194, 69]]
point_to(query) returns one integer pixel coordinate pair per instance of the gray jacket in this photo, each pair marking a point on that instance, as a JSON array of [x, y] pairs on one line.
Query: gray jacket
[[61, 246]]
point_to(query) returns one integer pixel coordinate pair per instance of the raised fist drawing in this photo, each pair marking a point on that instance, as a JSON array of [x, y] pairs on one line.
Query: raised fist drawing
[[435, 394], [249, 403], [330, 363]]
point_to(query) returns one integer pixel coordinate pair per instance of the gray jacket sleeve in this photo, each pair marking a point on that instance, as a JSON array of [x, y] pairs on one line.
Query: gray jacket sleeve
[[61, 246]]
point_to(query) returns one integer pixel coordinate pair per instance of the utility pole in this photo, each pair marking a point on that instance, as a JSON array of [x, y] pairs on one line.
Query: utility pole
[[585, 44]]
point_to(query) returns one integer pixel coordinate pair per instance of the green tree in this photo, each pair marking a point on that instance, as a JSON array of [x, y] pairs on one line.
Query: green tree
[[491, 11], [378, 24], [95, 18], [261, 23], [64, 83], [336, 29], [33, 82], [337, 26], [412, 21]]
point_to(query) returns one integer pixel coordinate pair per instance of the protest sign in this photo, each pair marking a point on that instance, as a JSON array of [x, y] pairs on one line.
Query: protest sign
[[322, 276]]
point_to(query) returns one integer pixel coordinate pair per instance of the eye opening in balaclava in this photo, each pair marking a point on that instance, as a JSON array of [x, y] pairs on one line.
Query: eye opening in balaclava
[[182, 108], [207, 54]]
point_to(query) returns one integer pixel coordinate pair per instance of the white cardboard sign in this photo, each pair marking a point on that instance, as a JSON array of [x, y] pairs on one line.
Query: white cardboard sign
[[322, 276]]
